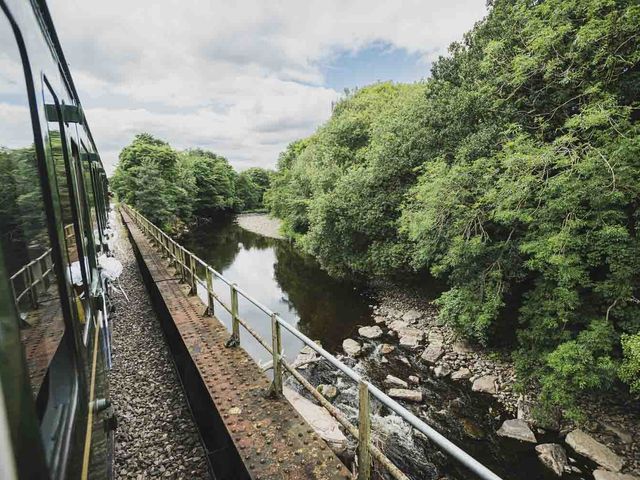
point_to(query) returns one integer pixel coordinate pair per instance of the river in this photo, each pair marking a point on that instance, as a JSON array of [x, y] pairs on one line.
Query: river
[[329, 310]]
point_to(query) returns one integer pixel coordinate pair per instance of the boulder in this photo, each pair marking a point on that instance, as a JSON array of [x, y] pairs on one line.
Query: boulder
[[411, 316], [329, 391], [391, 380], [414, 379], [393, 313], [589, 447], [600, 474], [516, 429], [410, 337], [432, 353], [405, 394], [379, 319], [320, 420], [398, 325], [461, 346], [436, 336], [386, 348], [370, 332], [351, 347], [441, 371], [463, 374], [624, 435], [553, 457], [485, 384], [306, 356]]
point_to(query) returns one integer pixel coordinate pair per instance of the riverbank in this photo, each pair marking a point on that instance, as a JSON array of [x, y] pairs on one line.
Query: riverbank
[[261, 223], [613, 421]]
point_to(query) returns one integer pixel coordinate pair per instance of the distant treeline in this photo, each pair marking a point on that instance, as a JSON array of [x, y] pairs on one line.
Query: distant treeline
[[173, 189], [512, 173]]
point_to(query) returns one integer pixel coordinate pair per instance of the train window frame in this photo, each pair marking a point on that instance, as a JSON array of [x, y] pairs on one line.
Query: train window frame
[[94, 194], [71, 185], [88, 228]]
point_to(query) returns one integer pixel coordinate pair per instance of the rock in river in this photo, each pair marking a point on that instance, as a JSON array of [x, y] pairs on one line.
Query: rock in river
[[370, 332], [322, 422], [329, 391], [411, 316], [441, 371], [386, 348], [553, 457], [463, 374], [587, 446], [607, 475], [485, 384], [411, 337], [351, 347], [517, 429], [432, 353], [405, 394], [391, 380]]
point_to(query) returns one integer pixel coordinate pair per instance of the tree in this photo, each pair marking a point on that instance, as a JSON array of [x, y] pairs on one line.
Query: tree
[[214, 181]]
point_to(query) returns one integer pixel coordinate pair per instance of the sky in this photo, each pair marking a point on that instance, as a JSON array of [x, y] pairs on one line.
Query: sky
[[241, 78]]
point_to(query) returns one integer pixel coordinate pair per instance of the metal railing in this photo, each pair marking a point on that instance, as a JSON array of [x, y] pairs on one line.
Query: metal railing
[[36, 273], [186, 265]]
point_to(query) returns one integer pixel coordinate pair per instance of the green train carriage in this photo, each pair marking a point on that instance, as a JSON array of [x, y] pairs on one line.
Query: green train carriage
[[55, 418]]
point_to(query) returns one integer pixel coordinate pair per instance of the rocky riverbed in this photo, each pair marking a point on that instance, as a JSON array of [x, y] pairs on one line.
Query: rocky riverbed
[[156, 435], [608, 445]]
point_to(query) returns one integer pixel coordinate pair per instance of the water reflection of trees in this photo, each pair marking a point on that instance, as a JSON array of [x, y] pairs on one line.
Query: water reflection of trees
[[219, 242], [329, 309]]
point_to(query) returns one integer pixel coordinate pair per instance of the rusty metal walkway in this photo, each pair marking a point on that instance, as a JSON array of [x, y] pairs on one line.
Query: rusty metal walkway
[[272, 439]]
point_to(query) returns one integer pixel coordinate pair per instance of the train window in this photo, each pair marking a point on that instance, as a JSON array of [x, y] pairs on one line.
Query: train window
[[87, 172], [86, 207], [32, 259], [66, 183]]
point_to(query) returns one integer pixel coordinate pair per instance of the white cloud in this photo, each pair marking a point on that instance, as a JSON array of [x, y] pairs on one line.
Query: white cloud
[[242, 78]]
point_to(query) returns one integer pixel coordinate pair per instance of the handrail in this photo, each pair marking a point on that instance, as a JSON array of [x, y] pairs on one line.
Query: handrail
[[186, 265]]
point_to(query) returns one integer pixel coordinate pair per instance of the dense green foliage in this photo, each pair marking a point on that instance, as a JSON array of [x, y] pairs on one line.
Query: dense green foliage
[[513, 173], [173, 188]]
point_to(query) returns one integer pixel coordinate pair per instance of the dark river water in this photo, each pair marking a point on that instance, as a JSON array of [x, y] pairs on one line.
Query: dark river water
[[328, 310]]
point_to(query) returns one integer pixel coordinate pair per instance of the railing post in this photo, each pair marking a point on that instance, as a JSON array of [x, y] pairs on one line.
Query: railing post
[[182, 265], [364, 432], [234, 341], [194, 276], [174, 255], [42, 263], [14, 296], [210, 299], [33, 293], [276, 348]]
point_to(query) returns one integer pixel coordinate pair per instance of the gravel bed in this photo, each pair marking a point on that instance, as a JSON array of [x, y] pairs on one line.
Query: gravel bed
[[156, 435], [261, 223]]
